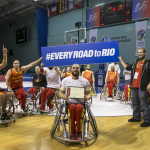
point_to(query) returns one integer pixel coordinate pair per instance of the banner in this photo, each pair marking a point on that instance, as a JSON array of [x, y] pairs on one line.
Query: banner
[[140, 35], [42, 27], [88, 53], [140, 9], [93, 35], [93, 17]]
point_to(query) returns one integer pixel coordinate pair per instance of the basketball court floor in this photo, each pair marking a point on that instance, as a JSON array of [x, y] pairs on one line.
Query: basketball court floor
[[115, 133]]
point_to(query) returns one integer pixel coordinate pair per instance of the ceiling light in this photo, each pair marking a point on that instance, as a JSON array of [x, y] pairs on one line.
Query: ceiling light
[[100, 4]]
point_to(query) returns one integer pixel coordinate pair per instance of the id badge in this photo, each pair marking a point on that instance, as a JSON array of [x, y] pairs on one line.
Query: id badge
[[136, 75]]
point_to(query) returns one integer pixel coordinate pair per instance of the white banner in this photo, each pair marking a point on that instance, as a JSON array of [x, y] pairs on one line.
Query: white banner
[[93, 35], [140, 35]]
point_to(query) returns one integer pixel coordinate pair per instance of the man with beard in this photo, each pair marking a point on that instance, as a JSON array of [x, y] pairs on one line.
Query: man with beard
[[67, 74], [140, 85], [14, 81], [39, 81], [75, 108], [3, 94], [53, 83], [111, 77]]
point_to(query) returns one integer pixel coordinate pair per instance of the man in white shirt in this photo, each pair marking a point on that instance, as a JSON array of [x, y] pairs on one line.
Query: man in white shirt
[[117, 68], [76, 108], [53, 83], [127, 75]]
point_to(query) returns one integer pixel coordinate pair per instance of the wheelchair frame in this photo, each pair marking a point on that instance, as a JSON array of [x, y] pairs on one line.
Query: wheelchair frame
[[104, 96], [123, 97], [85, 126], [34, 101], [11, 113]]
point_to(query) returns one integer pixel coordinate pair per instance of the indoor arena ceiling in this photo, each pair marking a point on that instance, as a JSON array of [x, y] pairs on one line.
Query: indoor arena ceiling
[[14, 9]]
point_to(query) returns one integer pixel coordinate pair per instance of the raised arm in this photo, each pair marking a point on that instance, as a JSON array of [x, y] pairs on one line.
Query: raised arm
[[57, 71], [42, 69], [63, 74], [83, 74], [106, 78], [123, 63], [24, 68], [93, 78], [4, 61], [118, 79], [7, 82]]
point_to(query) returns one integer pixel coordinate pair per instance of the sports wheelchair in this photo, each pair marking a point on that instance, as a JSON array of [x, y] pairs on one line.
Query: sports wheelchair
[[116, 94], [62, 122], [16, 107], [123, 97], [93, 91], [34, 101], [10, 112]]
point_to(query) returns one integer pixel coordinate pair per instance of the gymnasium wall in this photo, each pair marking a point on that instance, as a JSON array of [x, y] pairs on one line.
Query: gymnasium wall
[[57, 25]]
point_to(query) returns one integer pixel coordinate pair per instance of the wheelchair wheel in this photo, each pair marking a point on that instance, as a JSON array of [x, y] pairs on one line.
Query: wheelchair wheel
[[10, 107], [92, 121], [56, 121], [103, 93], [122, 96], [94, 91], [58, 102]]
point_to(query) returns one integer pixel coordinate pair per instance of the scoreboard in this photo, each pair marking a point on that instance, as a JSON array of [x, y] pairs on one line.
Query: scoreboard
[[116, 12]]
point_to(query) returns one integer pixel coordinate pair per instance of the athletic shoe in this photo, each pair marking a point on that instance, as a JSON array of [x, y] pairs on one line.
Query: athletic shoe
[[43, 111], [79, 137], [25, 110], [72, 137], [3, 117], [6, 116], [145, 124], [133, 120]]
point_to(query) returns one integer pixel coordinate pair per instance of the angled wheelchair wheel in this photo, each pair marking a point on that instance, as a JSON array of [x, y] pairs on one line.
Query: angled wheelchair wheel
[[10, 107], [92, 121], [58, 102], [56, 122], [103, 93]]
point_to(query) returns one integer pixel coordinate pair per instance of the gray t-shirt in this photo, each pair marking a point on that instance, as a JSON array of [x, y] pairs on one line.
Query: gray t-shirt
[[80, 82]]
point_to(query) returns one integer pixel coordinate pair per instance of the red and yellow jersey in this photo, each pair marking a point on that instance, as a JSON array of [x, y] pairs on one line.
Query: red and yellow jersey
[[112, 76], [88, 75], [67, 74], [16, 78]]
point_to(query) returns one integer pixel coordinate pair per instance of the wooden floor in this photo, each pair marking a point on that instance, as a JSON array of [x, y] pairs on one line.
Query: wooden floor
[[33, 133]]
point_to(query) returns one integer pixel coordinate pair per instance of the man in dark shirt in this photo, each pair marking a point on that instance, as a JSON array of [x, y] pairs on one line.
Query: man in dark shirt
[[140, 85], [39, 80], [81, 69]]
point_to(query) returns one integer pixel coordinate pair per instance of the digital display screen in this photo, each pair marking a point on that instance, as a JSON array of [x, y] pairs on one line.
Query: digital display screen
[[116, 7], [116, 18]]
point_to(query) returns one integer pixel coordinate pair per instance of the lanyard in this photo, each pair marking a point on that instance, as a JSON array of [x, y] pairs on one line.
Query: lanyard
[[138, 65]]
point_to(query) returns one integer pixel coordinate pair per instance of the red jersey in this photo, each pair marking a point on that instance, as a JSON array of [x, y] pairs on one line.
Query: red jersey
[[67, 74], [112, 76], [16, 78], [138, 69], [88, 75]]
